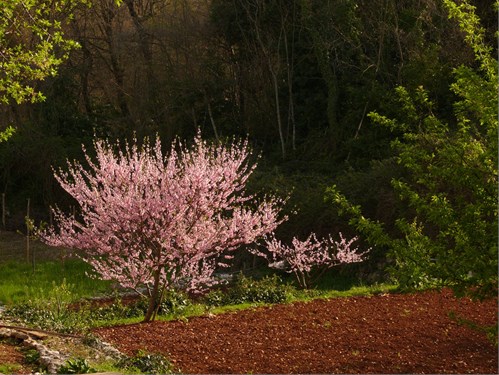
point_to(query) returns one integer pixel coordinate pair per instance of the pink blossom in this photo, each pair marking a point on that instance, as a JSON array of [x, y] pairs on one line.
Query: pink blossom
[[155, 220], [303, 256]]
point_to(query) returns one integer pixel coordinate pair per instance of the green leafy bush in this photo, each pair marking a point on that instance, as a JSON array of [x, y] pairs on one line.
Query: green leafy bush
[[269, 289], [147, 363], [76, 366], [31, 356], [118, 310], [216, 298], [448, 235], [174, 303], [56, 310]]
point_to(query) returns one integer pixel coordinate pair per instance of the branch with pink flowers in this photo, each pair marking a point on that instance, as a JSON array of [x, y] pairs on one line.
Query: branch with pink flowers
[[302, 257]]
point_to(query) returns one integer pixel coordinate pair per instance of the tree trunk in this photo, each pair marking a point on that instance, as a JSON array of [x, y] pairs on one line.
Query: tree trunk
[[210, 114], [278, 113], [153, 298], [116, 69], [152, 105], [327, 71], [270, 48]]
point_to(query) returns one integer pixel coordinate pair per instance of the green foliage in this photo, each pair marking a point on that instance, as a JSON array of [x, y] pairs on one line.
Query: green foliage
[[372, 230], [31, 356], [269, 289], [76, 366], [58, 311], [7, 368], [7, 133], [215, 298], [33, 45], [469, 23], [148, 363], [115, 311], [449, 234], [174, 303]]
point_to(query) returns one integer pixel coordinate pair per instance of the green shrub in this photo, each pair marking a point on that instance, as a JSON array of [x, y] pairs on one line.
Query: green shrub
[[31, 356], [448, 236], [56, 311], [147, 363], [174, 303], [76, 366], [215, 298], [118, 310], [269, 289]]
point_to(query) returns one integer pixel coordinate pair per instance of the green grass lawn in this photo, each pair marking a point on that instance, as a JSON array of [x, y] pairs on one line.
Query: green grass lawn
[[19, 283]]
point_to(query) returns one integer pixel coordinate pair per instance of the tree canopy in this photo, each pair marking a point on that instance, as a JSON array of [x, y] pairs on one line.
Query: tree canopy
[[33, 45]]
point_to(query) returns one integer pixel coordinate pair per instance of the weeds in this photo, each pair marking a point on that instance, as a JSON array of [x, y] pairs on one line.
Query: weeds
[[148, 363], [76, 366]]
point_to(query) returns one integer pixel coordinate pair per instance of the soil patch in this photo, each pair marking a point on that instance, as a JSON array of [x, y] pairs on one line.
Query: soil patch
[[395, 333], [12, 359]]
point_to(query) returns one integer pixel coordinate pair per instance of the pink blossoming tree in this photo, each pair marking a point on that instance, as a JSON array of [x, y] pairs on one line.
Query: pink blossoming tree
[[162, 221], [303, 256]]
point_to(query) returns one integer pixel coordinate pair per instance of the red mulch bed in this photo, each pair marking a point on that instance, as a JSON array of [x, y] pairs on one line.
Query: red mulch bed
[[396, 333]]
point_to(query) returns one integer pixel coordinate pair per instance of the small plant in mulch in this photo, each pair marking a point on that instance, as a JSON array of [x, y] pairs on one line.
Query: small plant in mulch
[[76, 366], [9, 368], [148, 363], [174, 303], [14, 358], [32, 358]]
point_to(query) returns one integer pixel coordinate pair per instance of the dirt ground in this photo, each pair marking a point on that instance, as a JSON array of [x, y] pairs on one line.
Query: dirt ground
[[13, 359], [396, 333], [13, 247]]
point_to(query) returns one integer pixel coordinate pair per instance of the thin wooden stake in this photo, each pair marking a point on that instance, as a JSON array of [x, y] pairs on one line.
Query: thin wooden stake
[[27, 232], [3, 210]]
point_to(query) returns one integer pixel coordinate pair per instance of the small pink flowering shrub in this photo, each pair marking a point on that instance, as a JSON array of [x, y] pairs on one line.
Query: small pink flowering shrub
[[162, 221], [303, 256]]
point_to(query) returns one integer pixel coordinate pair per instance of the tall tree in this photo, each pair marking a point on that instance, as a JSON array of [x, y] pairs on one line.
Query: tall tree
[[448, 236], [261, 36]]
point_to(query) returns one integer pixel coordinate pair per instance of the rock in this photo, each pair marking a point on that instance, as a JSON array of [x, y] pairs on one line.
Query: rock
[[19, 335], [107, 349], [52, 359], [38, 335], [5, 332]]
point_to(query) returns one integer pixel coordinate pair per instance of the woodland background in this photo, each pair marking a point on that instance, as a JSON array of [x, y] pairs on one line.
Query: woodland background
[[297, 77]]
